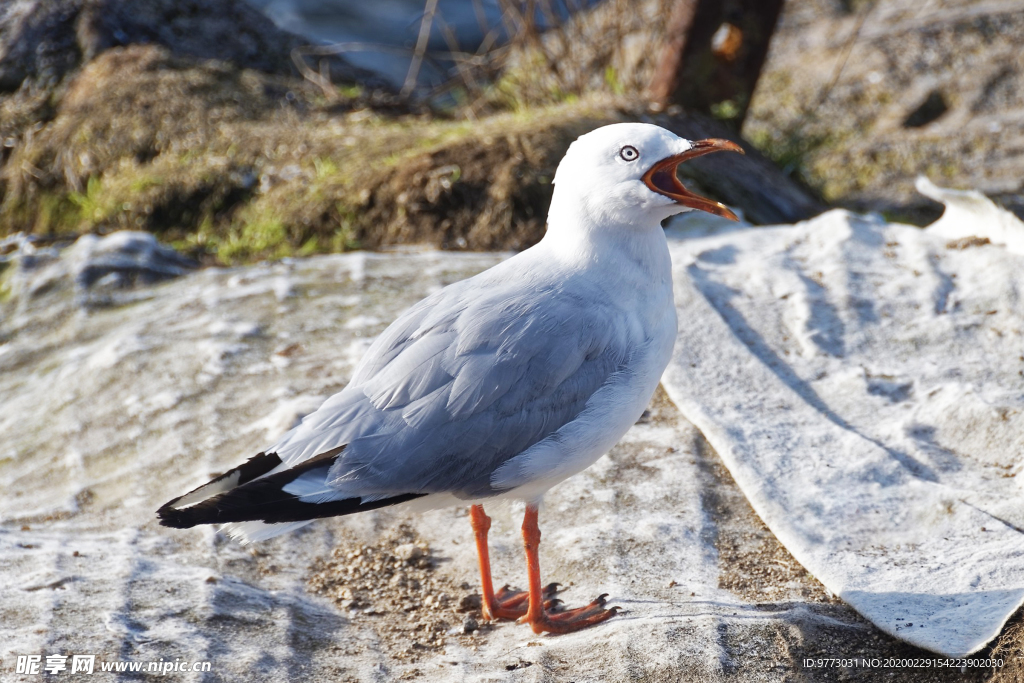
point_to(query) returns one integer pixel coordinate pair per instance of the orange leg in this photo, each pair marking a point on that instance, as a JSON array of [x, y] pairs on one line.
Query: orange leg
[[506, 604], [538, 615]]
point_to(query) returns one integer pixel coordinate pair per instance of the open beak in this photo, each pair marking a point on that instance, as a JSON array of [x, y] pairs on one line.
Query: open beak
[[661, 178]]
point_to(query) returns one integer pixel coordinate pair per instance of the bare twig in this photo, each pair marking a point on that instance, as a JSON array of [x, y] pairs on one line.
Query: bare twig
[[511, 18], [462, 67], [557, 50], [321, 78], [847, 49], [481, 17], [314, 77], [421, 48], [490, 39]]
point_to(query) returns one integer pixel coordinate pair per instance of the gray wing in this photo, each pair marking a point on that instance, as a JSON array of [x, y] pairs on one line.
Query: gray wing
[[461, 383]]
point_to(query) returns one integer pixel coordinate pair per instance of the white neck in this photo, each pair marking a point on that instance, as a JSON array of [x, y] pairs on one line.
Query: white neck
[[631, 251]]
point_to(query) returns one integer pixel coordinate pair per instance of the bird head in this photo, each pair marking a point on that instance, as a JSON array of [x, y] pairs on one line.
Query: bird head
[[625, 174]]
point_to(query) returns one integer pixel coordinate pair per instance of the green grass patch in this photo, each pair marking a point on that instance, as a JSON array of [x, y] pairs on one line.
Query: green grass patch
[[324, 168], [264, 236], [91, 207]]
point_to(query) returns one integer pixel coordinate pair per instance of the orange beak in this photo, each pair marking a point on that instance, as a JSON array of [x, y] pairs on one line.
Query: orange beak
[[661, 178]]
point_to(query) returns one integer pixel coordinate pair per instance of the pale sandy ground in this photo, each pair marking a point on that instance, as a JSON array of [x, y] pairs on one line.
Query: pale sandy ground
[[113, 401]]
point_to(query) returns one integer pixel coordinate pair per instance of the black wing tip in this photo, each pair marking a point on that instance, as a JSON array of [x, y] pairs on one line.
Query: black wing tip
[[225, 508], [252, 503], [259, 498], [175, 518], [186, 518], [256, 466]]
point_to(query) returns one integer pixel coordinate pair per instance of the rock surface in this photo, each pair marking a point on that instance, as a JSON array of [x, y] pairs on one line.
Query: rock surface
[[112, 410], [862, 381], [42, 42]]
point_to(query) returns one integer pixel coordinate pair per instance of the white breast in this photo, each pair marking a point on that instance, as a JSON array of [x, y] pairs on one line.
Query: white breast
[[641, 288]]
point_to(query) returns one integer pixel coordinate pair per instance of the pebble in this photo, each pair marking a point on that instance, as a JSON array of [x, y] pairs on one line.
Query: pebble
[[394, 583], [408, 552], [470, 603]]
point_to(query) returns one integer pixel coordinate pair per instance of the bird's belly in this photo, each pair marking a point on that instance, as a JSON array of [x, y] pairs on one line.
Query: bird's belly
[[609, 414]]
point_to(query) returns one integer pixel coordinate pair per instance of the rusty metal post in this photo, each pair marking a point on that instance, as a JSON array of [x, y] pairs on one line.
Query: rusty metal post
[[712, 57]]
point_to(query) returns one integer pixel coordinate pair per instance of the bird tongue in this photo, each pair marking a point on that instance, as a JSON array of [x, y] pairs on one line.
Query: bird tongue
[[662, 177], [665, 180]]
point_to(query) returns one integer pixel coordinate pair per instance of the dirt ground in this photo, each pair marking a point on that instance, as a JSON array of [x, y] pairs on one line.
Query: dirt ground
[[859, 98]]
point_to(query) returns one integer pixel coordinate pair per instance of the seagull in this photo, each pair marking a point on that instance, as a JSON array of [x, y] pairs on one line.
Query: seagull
[[498, 386]]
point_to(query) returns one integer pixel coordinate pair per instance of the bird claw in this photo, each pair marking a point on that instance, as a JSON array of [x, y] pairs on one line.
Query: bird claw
[[567, 621], [505, 591]]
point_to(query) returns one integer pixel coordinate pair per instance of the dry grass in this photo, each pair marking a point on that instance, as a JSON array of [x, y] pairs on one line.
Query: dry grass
[[1010, 648], [238, 165]]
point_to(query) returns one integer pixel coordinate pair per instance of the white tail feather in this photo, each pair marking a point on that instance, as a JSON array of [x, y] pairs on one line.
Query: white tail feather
[[251, 532]]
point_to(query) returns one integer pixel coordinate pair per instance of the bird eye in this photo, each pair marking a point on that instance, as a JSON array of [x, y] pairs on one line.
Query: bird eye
[[629, 153]]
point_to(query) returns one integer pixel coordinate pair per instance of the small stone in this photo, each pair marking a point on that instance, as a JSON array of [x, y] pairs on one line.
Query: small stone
[[512, 664], [469, 625], [408, 552], [470, 603]]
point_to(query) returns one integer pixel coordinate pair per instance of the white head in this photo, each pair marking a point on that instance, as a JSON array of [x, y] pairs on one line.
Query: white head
[[623, 176]]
